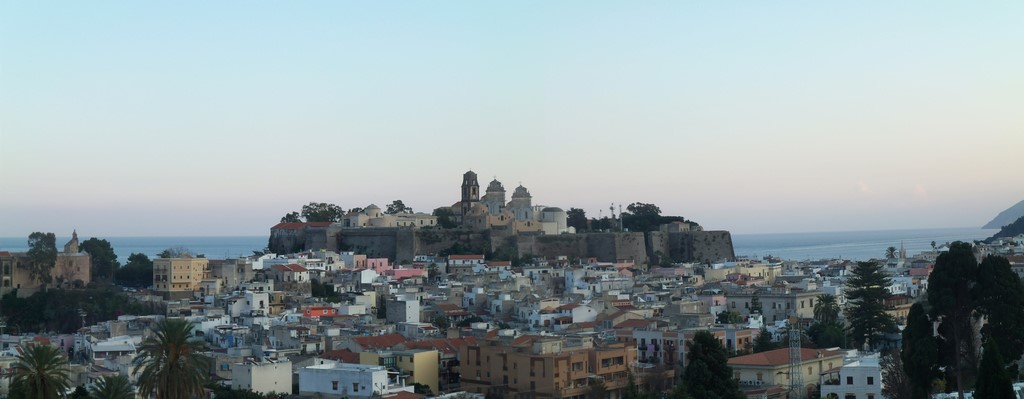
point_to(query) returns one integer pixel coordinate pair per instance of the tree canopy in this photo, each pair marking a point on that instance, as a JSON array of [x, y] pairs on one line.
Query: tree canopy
[[101, 254], [41, 371], [949, 295], [919, 356], [994, 381], [576, 218], [866, 310], [445, 217], [641, 217], [170, 364], [42, 250], [397, 206], [322, 212], [291, 217], [707, 373], [1000, 298], [138, 272]]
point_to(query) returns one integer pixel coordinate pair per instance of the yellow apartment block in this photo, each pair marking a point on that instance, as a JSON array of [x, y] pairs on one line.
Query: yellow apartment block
[[178, 278], [418, 366]]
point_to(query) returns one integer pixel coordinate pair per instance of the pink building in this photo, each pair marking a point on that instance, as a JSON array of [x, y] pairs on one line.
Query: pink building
[[379, 265]]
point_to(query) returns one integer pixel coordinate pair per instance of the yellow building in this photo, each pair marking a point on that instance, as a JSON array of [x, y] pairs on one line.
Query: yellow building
[[177, 278], [72, 268], [545, 367], [418, 366], [771, 368]]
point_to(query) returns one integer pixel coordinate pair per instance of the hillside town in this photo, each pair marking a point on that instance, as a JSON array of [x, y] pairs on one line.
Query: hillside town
[[330, 323]]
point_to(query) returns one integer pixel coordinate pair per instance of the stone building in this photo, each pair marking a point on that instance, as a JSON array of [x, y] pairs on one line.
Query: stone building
[[72, 268], [518, 215], [179, 278]]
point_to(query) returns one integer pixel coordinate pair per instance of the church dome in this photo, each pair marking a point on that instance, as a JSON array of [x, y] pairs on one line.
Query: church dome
[[521, 192], [495, 186], [552, 209], [371, 206]]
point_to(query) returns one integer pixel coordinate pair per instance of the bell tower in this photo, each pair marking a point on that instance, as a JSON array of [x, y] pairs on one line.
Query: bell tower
[[470, 191]]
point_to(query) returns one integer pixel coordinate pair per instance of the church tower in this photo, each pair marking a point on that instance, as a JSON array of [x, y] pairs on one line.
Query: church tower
[[470, 191], [72, 246]]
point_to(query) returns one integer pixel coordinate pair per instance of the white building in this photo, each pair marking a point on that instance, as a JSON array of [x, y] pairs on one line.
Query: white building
[[265, 377], [860, 377], [403, 311], [341, 380]]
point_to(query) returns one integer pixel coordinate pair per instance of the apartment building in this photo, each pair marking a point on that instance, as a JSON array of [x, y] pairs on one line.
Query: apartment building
[[179, 278]]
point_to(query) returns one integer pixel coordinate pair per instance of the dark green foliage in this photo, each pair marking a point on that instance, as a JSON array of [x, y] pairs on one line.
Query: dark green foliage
[[577, 218], [114, 387], [755, 304], [707, 374], [827, 335], [322, 212], [291, 217], [469, 320], [445, 217], [177, 252], [826, 309], [323, 291], [597, 390], [397, 206], [994, 381], [57, 310], [1000, 298], [866, 310], [441, 322], [101, 254], [79, 393], [949, 295], [42, 250], [170, 363], [40, 372], [728, 317], [138, 272], [422, 389], [891, 252], [764, 341], [641, 217], [919, 356]]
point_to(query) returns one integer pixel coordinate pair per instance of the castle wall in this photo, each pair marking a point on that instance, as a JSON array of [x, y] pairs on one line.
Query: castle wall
[[694, 246]]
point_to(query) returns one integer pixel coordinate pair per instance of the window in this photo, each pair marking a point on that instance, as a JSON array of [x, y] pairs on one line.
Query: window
[[849, 380], [355, 387], [334, 385], [871, 380]]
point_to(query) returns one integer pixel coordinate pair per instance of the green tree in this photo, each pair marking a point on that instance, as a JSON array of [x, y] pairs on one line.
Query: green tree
[[890, 252], [42, 250], [441, 322], [826, 309], [866, 309], [994, 381], [397, 206], [755, 304], [707, 373], [102, 256], [445, 217], [576, 218], [919, 356], [827, 335], [597, 389], [949, 294], [175, 252], [641, 217], [764, 341], [322, 212], [291, 217], [41, 372], [112, 387], [1000, 298], [138, 272], [170, 364], [728, 317]]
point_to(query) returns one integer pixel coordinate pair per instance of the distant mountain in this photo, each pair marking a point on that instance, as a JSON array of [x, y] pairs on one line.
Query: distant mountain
[[1006, 217]]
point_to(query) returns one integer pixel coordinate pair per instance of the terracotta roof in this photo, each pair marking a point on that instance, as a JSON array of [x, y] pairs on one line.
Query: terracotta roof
[[342, 355], [568, 306], [299, 225], [465, 257], [5, 253], [379, 341], [497, 263], [634, 323], [292, 267], [405, 395], [779, 357]]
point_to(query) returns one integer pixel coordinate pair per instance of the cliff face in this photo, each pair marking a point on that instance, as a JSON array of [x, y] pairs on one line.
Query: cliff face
[[403, 244]]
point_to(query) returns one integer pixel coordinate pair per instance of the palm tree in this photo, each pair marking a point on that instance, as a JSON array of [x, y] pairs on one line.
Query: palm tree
[[890, 252], [41, 372], [169, 364], [826, 309], [116, 387]]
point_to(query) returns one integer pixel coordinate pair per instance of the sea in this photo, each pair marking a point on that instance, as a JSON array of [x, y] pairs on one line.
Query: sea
[[851, 245]]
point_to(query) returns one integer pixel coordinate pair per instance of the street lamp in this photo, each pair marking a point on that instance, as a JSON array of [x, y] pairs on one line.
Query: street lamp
[[81, 312]]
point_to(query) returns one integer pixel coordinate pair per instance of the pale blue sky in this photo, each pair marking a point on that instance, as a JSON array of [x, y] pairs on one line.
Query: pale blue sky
[[200, 118]]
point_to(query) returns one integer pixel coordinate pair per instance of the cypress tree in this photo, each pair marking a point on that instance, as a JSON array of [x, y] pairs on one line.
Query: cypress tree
[[920, 352], [951, 300], [994, 381], [1000, 298]]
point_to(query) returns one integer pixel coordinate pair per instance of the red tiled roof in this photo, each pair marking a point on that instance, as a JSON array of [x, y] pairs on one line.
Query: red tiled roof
[[5, 253], [779, 357], [342, 355], [299, 225], [498, 263], [568, 306], [379, 341], [405, 395], [634, 323], [292, 267]]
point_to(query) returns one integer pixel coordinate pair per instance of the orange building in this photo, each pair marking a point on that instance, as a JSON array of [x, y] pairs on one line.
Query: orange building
[[545, 367]]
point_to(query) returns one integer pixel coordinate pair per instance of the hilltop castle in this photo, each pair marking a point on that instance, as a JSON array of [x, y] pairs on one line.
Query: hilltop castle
[[491, 212]]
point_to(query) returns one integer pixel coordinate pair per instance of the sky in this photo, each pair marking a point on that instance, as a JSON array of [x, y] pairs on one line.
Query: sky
[[217, 118]]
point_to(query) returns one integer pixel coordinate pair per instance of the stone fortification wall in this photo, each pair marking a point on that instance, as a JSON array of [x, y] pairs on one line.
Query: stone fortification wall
[[692, 246], [403, 244]]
